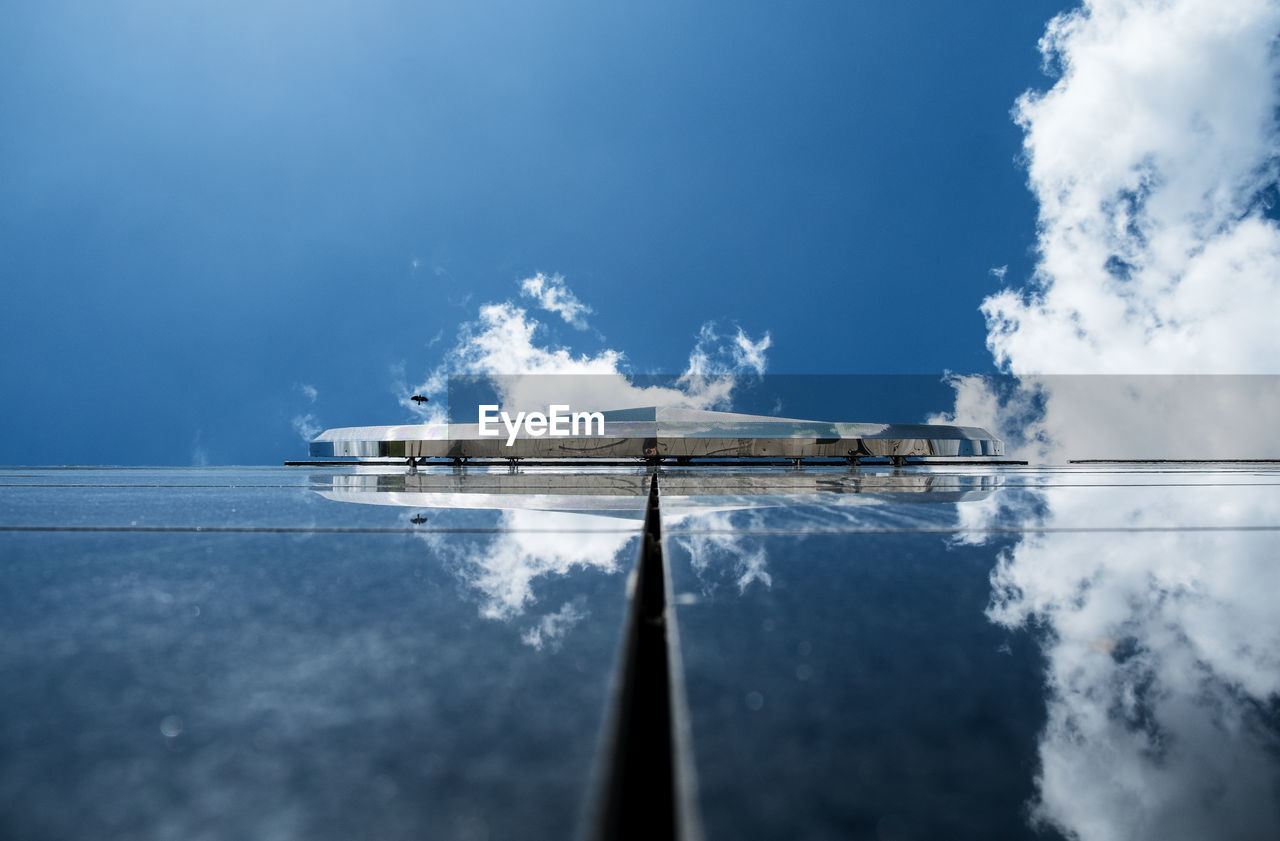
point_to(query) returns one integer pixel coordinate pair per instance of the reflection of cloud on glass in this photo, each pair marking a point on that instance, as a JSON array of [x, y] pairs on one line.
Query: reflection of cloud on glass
[[552, 523], [974, 521], [712, 516], [533, 545], [551, 629], [1163, 661], [722, 550]]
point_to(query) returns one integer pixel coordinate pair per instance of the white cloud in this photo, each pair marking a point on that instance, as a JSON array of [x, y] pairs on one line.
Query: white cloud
[[505, 342], [1148, 158], [553, 295], [307, 426], [749, 355], [1056, 418], [715, 365]]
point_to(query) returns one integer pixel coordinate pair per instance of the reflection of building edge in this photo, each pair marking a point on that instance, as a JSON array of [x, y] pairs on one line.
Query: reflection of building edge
[[659, 433], [625, 492]]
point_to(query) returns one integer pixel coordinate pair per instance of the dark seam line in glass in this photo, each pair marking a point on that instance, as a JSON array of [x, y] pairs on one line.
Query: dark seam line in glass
[[639, 795]]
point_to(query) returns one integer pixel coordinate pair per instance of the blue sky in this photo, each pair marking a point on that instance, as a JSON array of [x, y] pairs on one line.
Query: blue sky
[[211, 208]]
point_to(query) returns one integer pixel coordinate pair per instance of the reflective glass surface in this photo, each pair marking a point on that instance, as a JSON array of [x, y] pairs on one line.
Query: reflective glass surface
[[230, 653], [1075, 652], [338, 652]]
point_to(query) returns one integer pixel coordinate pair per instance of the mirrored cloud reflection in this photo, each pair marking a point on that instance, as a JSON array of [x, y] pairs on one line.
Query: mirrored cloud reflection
[[719, 519], [1162, 647], [537, 529], [1162, 652], [552, 525]]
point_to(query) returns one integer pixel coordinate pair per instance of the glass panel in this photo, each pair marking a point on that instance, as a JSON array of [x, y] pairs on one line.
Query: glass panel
[[1087, 653], [449, 676], [302, 498]]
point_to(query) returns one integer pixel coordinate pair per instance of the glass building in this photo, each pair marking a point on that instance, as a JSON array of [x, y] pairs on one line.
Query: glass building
[[850, 648]]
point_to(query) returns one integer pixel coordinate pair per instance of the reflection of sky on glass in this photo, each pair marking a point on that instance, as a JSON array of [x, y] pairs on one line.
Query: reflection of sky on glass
[[1088, 650], [519, 558], [722, 551], [1149, 594], [529, 546], [1162, 660], [253, 660]]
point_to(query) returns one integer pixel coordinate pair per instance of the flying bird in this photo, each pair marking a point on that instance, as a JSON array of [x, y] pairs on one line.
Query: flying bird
[[419, 399]]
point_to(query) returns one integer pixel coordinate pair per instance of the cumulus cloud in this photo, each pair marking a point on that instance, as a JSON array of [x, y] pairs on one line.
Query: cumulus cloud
[[1152, 158], [553, 295], [1055, 418], [1149, 158], [505, 342]]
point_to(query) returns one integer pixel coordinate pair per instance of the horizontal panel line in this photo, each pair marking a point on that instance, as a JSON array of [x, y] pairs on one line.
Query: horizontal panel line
[[699, 462], [1174, 461], [302, 530], [671, 531], [97, 485], [1056, 530], [707, 480]]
